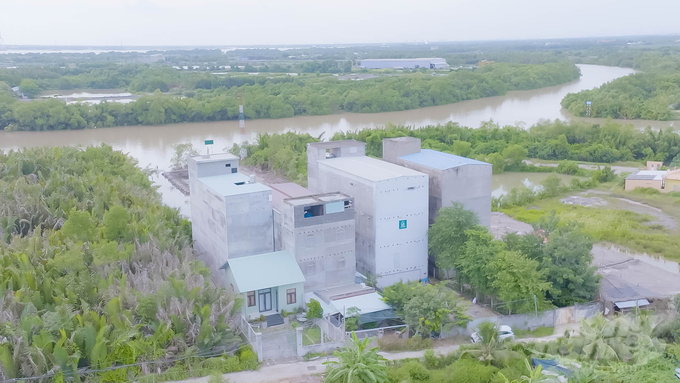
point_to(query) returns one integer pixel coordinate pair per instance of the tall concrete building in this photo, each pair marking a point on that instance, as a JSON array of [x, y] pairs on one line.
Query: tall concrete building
[[391, 205], [231, 214], [452, 178], [280, 193]]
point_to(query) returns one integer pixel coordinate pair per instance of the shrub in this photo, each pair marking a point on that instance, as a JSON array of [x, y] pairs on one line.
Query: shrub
[[248, 359], [568, 167], [314, 309], [646, 191], [416, 371], [471, 371], [394, 343]]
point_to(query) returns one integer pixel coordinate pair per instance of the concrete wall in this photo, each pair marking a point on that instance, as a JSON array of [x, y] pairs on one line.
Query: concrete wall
[[634, 184], [324, 246], [671, 186], [393, 148], [278, 230], [250, 228], [471, 186], [316, 152]]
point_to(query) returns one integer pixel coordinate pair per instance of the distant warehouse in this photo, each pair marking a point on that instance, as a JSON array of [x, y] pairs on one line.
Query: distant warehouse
[[428, 63]]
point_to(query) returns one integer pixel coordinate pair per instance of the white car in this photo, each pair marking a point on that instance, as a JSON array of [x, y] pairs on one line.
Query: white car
[[504, 332]]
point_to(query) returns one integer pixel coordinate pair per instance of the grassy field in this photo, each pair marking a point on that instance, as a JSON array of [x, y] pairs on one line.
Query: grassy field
[[535, 333], [621, 227]]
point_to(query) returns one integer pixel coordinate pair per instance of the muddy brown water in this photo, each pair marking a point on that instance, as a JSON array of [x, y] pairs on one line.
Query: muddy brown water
[[152, 145]]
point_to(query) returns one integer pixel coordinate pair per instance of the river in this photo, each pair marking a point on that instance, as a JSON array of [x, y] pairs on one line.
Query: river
[[152, 145]]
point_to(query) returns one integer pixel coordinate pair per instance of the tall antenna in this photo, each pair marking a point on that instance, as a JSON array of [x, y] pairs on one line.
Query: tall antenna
[[241, 116]]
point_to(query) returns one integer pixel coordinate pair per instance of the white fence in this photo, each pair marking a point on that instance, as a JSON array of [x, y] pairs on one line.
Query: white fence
[[379, 332], [254, 338], [550, 318]]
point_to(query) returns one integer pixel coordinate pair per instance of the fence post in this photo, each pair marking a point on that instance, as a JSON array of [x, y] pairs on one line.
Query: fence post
[[258, 345], [535, 306], [298, 338]]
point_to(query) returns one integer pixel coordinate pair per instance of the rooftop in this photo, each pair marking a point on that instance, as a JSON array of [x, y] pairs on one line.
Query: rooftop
[[439, 160], [317, 199], [263, 271], [673, 175], [336, 144], [369, 168], [655, 175], [226, 184], [215, 158], [287, 190], [400, 59]]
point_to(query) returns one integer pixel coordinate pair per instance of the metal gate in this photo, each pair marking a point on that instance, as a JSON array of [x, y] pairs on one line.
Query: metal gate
[[279, 346]]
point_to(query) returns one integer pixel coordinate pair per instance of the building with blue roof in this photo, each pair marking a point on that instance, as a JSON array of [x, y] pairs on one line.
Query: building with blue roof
[[452, 178], [231, 214]]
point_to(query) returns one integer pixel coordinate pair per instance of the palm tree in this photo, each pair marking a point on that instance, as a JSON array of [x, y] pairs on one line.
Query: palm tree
[[602, 339], [533, 376], [491, 348], [357, 364], [585, 374]]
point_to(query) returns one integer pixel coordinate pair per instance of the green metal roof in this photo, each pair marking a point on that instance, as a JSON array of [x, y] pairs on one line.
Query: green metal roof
[[255, 272]]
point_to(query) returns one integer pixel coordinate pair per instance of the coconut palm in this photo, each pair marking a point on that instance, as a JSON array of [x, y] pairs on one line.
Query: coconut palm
[[357, 363], [533, 376], [491, 349]]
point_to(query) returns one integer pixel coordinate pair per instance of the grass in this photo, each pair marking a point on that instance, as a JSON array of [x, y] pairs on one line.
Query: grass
[[620, 227], [535, 333], [632, 164], [311, 336]]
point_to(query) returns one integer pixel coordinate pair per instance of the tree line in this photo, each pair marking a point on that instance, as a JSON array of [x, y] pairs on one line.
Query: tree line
[[96, 273], [279, 98], [653, 94]]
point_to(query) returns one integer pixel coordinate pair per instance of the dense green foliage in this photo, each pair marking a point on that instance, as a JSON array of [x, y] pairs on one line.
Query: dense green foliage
[[653, 94], [619, 350], [95, 273], [286, 97], [357, 363], [553, 264]]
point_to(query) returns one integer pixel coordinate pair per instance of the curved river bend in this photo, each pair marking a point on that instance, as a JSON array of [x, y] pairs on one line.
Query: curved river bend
[[152, 145]]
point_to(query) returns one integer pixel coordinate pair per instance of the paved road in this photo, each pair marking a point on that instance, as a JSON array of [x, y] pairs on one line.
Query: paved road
[[280, 372]]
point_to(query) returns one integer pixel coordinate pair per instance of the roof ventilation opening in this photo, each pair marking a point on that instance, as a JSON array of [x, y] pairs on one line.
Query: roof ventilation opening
[[329, 154], [252, 179]]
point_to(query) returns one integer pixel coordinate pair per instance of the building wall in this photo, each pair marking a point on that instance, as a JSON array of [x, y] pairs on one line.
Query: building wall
[[278, 230], [471, 186], [634, 184], [250, 228], [279, 297], [379, 207], [671, 186], [323, 246], [401, 253], [393, 148], [208, 224], [316, 152]]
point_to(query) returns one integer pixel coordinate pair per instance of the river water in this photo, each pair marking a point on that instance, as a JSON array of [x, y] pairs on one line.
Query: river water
[[152, 145]]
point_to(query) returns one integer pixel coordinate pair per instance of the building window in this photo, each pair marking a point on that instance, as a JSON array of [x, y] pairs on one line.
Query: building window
[[251, 298], [676, 188], [291, 296], [310, 240], [311, 268], [234, 170], [340, 234], [341, 263]]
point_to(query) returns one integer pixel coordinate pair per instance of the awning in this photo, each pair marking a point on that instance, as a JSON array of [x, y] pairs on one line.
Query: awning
[[366, 303], [629, 304]]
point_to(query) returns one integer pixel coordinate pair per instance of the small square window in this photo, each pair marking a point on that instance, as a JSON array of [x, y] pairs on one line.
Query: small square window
[[251, 298], [311, 268], [291, 296], [234, 170], [341, 263]]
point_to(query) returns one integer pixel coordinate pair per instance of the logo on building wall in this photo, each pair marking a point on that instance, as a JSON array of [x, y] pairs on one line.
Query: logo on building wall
[[402, 224]]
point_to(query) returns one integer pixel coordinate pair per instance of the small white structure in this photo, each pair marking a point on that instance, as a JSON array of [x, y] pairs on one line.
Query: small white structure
[[427, 63]]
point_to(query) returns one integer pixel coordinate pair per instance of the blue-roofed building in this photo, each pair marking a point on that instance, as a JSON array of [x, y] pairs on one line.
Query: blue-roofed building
[[231, 214], [452, 178]]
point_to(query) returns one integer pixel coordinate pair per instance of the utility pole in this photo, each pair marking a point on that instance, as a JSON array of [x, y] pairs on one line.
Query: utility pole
[[241, 115]]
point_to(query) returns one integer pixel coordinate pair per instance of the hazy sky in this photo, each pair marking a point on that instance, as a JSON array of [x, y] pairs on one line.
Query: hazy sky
[[243, 22]]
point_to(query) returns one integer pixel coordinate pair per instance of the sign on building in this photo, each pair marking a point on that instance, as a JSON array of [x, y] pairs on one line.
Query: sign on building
[[402, 224]]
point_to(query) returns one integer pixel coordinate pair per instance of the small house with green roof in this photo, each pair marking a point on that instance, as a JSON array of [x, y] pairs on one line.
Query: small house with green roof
[[269, 283]]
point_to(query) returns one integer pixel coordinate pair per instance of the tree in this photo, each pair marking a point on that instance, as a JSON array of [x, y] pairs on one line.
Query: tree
[[434, 309], [447, 236], [567, 262], [474, 264], [518, 280], [352, 318], [462, 148], [79, 226], [29, 88], [568, 167], [551, 186], [515, 154], [602, 340], [491, 349], [182, 153], [314, 309], [357, 363], [399, 294], [498, 162]]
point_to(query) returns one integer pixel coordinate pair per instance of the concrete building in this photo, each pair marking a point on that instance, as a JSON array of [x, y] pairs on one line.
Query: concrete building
[[427, 63], [281, 192], [672, 181], [452, 178], [654, 165], [646, 179], [231, 214], [318, 229], [268, 283], [391, 204]]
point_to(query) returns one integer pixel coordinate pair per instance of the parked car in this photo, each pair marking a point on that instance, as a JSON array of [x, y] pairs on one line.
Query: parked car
[[504, 332]]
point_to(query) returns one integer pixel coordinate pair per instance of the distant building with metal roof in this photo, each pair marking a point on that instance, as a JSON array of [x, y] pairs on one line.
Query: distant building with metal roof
[[417, 63]]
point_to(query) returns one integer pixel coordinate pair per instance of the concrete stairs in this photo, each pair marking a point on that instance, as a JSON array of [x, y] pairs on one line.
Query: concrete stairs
[[274, 320]]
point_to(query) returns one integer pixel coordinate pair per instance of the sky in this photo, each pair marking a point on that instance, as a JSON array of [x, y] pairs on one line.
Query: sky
[[281, 22]]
